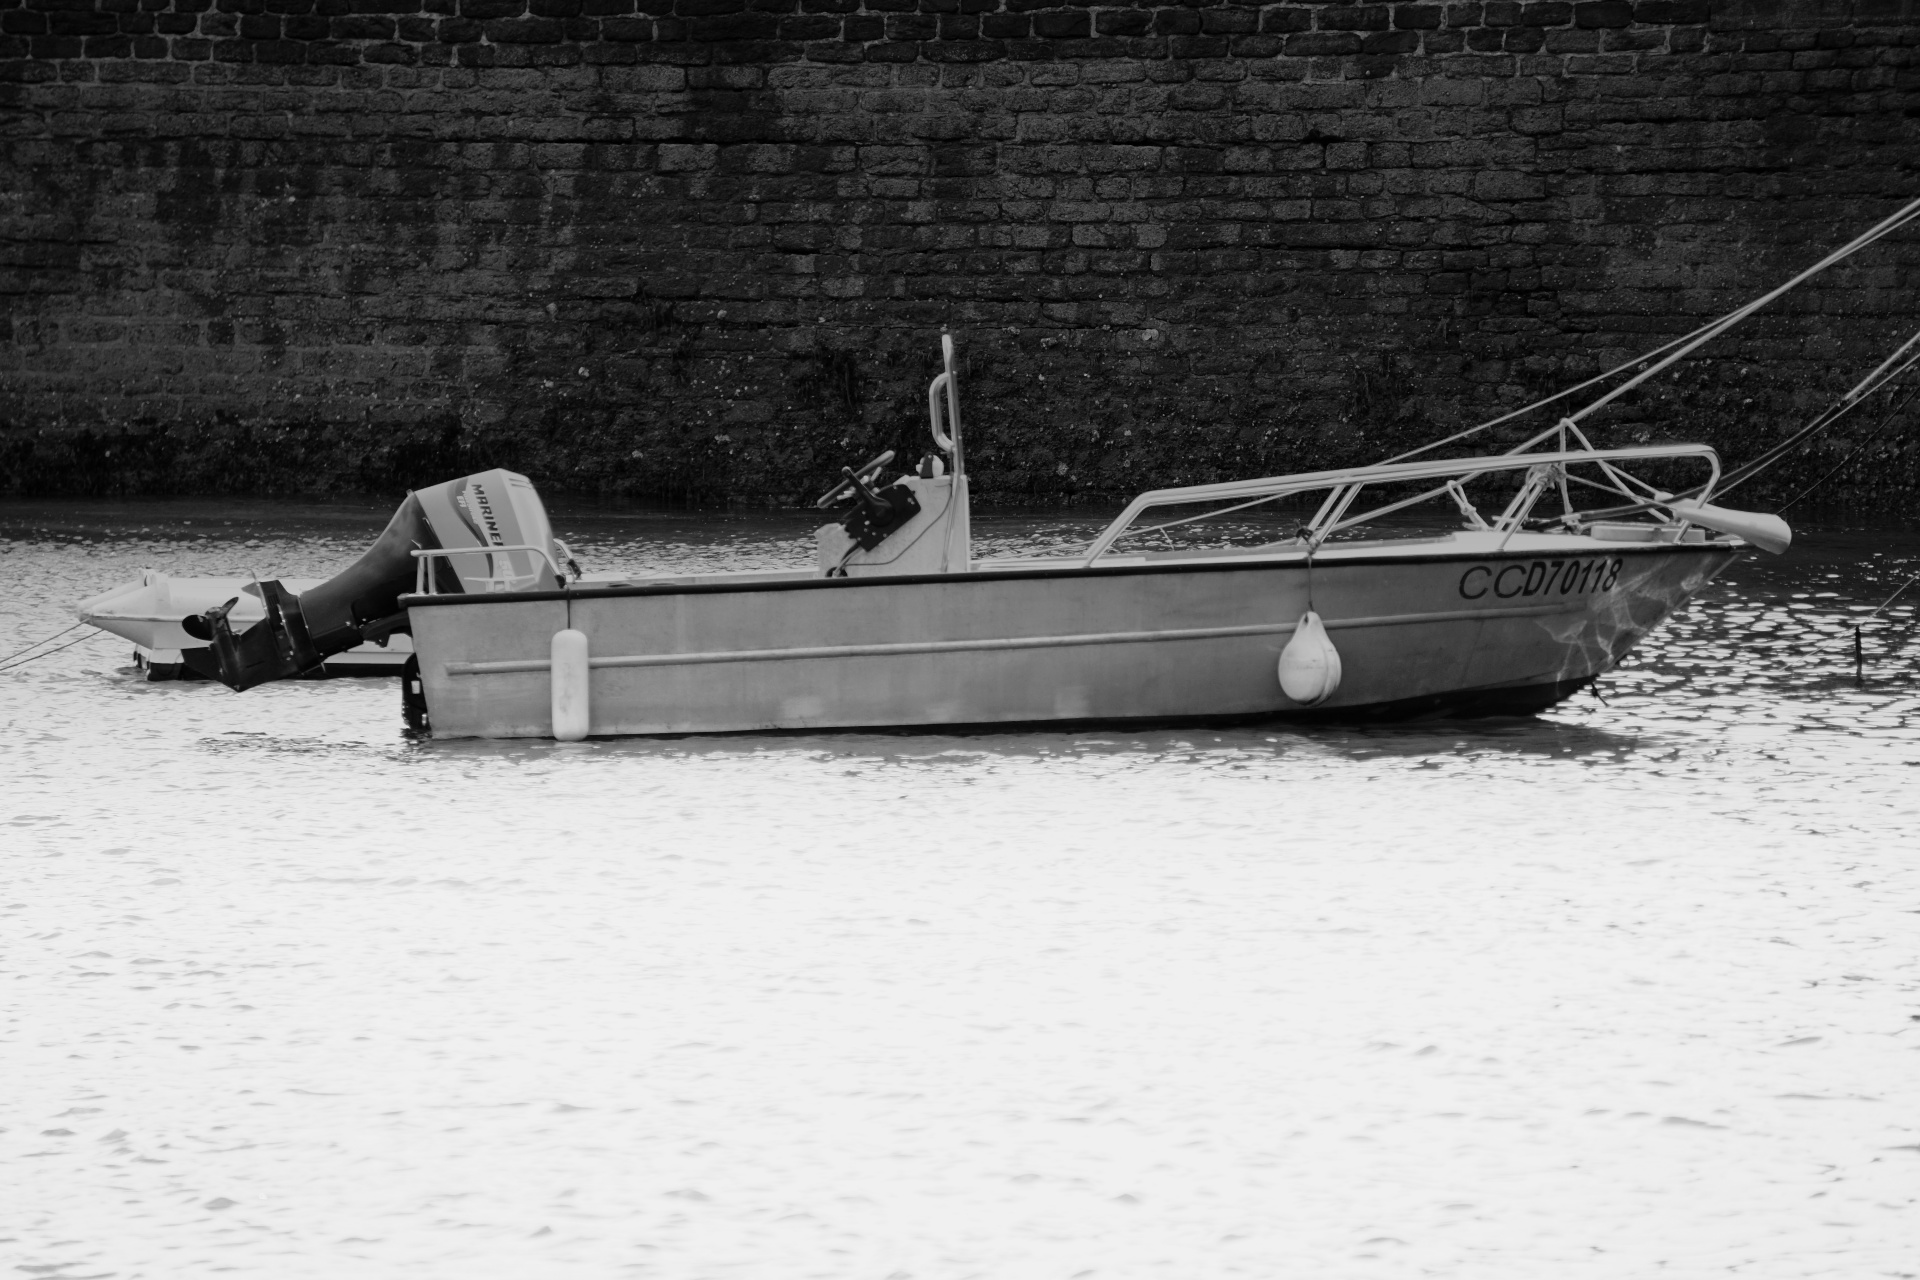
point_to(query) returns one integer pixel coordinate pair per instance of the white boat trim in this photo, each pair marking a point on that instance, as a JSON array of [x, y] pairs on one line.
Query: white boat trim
[[516, 666]]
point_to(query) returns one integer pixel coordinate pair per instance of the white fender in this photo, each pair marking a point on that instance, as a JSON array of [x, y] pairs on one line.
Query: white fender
[[1769, 533], [1309, 665], [569, 674]]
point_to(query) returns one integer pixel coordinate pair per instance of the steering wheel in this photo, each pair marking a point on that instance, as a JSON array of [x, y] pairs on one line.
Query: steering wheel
[[865, 475]]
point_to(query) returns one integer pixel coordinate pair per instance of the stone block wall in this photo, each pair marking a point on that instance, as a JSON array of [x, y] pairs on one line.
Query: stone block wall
[[703, 249]]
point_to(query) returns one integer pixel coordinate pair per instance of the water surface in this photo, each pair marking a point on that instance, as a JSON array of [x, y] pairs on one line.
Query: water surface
[[1627, 989]]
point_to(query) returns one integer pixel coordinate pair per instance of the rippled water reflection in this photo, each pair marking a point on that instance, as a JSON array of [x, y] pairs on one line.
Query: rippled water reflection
[[1623, 990]]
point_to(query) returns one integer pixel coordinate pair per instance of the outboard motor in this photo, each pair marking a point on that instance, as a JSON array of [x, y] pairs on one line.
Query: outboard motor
[[497, 513]]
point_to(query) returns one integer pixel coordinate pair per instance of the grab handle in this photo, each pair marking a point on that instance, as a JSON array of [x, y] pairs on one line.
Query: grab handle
[[943, 405]]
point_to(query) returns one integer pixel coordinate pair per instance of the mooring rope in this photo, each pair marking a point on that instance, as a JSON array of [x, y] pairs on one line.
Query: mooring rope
[[1667, 353], [12, 666], [1890, 599], [37, 643], [1873, 435], [1733, 318], [1884, 375]]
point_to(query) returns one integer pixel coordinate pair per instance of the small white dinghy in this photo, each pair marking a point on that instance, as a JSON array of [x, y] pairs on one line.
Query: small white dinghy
[[149, 613], [235, 629]]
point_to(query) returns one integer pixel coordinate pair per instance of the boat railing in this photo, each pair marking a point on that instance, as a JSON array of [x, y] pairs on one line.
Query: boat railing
[[424, 556], [1546, 471]]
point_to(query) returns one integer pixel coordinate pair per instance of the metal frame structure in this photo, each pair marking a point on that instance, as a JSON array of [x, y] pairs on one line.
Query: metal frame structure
[[1546, 470], [423, 580]]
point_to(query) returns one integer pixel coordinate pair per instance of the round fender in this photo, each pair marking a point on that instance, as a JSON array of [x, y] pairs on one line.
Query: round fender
[[1309, 665]]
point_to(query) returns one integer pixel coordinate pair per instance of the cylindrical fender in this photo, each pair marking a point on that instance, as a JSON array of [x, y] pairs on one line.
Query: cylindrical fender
[[572, 705]]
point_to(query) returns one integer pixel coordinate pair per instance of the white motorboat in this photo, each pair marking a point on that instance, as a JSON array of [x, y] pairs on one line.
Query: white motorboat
[[149, 613], [896, 625], [1495, 618], [1518, 598]]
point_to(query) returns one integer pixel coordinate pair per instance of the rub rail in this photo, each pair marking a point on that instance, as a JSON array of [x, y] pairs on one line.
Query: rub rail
[[990, 644]]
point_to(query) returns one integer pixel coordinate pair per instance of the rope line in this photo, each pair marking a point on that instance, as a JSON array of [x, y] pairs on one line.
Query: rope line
[[1869, 385], [68, 645], [1889, 600], [1883, 376], [1733, 318], [1873, 435], [1686, 344], [37, 643]]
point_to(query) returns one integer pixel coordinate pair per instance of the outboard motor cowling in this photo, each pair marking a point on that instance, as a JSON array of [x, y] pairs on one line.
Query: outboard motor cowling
[[493, 509], [496, 513]]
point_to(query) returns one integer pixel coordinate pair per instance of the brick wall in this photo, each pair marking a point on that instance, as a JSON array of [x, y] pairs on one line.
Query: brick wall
[[703, 248]]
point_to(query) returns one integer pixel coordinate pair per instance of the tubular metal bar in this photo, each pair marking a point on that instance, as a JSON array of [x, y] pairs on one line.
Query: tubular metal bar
[[1522, 504], [1333, 497], [936, 405], [1621, 480], [423, 581], [1591, 484], [1523, 500], [943, 396], [1387, 510], [1390, 473], [1204, 515], [1319, 534]]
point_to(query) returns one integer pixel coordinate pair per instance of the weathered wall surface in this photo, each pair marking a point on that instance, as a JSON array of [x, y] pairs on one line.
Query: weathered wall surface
[[704, 247]]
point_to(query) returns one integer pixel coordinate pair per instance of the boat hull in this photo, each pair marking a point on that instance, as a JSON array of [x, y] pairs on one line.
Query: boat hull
[[1184, 641]]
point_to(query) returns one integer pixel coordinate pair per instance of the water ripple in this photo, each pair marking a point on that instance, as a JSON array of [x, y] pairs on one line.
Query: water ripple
[[1626, 989]]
